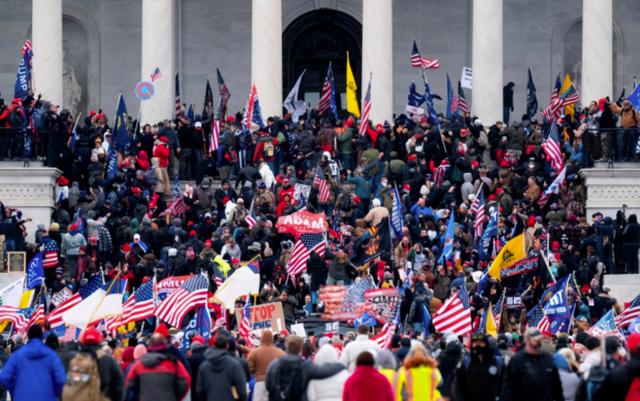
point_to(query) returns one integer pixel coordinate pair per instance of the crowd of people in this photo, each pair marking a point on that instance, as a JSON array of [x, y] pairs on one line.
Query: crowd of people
[[124, 224]]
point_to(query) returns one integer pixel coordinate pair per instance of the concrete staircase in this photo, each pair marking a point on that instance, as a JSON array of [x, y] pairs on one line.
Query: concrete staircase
[[624, 287]]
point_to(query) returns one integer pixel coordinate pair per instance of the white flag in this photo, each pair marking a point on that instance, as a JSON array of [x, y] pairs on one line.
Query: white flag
[[292, 104]]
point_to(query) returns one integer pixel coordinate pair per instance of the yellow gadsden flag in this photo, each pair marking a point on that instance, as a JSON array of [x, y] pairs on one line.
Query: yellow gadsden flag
[[571, 109], [490, 326], [513, 251], [352, 98]]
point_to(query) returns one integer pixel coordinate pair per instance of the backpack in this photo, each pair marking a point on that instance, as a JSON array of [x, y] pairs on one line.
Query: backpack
[[83, 379], [268, 149], [597, 375], [289, 381]]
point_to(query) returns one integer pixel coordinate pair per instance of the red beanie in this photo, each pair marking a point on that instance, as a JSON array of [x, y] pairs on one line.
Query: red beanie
[[63, 181], [192, 233], [126, 248], [162, 330], [633, 342], [531, 221]]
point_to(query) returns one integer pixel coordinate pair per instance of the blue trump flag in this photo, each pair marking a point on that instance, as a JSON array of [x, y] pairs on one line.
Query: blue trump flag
[[452, 103], [35, 271], [556, 307], [431, 110], [23, 76], [120, 125], [426, 320], [634, 98], [447, 250], [415, 99], [112, 164]]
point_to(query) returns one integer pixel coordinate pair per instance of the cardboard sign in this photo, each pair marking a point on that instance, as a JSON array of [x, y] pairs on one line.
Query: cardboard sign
[[466, 78], [265, 316], [298, 330], [61, 296]]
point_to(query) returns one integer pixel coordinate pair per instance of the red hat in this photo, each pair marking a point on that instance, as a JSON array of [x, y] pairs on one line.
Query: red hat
[[474, 164], [555, 245], [423, 119], [284, 332], [91, 336], [633, 342], [531, 221], [164, 139], [406, 187], [162, 330], [492, 197], [230, 119], [92, 112], [208, 243], [356, 199], [63, 181], [72, 227], [380, 128], [499, 191], [192, 233], [198, 339], [136, 190], [126, 248], [464, 132], [412, 157], [235, 261]]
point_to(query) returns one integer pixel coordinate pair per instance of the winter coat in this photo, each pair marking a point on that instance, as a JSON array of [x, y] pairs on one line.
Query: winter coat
[[329, 389], [260, 358], [616, 385], [309, 372], [467, 187], [352, 350], [220, 377], [318, 271], [162, 152], [34, 372], [531, 378], [158, 376], [367, 384], [71, 244], [195, 360]]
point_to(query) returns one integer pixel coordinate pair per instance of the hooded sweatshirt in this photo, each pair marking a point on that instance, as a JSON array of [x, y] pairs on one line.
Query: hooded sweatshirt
[[158, 376], [260, 358], [220, 377]]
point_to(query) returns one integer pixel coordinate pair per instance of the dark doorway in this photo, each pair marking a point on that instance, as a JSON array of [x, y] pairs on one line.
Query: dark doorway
[[312, 41]]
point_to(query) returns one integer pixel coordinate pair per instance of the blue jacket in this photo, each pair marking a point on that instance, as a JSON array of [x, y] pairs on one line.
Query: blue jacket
[[34, 373]]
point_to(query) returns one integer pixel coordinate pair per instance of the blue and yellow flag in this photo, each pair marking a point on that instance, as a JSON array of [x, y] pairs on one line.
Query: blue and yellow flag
[[120, 125], [512, 252]]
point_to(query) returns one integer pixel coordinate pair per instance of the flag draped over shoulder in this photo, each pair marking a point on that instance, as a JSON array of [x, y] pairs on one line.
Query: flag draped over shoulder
[[512, 252], [352, 97]]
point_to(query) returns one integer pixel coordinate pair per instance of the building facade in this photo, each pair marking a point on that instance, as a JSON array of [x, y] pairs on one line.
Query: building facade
[[86, 52]]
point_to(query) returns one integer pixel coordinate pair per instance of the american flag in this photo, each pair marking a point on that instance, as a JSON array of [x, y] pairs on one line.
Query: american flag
[[192, 294], [156, 74], [551, 147], [420, 62], [215, 135], [366, 109], [497, 309], [13, 315], [224, 96], [55, 317], [244, 328], [248, 111], [629, 314], [570, 96], [140, 304], [536, 318], [478, 209], [463, 106], [37, 316], [70, 334], [320, 181], [454, 316], [302, 249], [50, 254], [177, 206], [552, 111], [178, 104], [327, 97], [554, 188], [218, 276], [250, 219], [438, 177], [385, 335]]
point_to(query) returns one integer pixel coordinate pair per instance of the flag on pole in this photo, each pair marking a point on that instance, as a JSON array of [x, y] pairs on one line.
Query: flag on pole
[[140, 305], [215, 135], [366, 109], [421, 62], [50, 259], [307, 243], [569, 96], [554, 188], [293, 105], [104, 302], [606, 326], [208, 100], [178, 102], [55, 317], [454, 316], [190, 295], [248, 111], [555, 104], [551, 147], [120, 125], [512, 252], [23, 76], [191, 114], [431, 109], [156, 74], [352, 98], [385, 335], [629, 314], [463, 106], [447, 251], [478, 209], [415, 99], [532, 98], [224, 94], [13, 315], [452, 101], [244, 328], [327, 100], [397, 214], [35, 271], [245, 280], [320, 182]]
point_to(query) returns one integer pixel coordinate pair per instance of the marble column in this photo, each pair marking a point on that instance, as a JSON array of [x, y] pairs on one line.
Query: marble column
[[487, 61], [158, 50], [266, 55], [377, 58], [597, 50], [47, 49]]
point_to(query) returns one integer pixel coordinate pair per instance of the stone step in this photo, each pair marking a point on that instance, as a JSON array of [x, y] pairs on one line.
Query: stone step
[[20, 163], [624, 287]]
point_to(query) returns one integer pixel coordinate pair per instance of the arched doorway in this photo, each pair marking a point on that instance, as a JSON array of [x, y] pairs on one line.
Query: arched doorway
[[313, 40]]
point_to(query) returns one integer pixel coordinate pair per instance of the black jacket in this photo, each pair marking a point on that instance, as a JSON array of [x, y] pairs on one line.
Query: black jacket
[[218, 375], [478, 380], [531, 378], [195, 360], [310, 371], [618, 381]]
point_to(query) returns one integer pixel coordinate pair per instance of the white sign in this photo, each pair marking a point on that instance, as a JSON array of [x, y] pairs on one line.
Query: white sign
[[466, 77], [61, 296], [414, 112], [301, 192], [332, 327], [11, 294], [298, 330]]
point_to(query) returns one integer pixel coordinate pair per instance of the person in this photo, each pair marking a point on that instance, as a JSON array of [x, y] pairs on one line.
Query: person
[[479, 376], [329, 389], [111, 379], [531, 374], [366, 383], [631, 244], [195, 360], [419, 378], [288, 376], [158, 375], [507, 95], [623, 382], [221, 377], [565, 361], [259, 360], [353, 349], [34, 372]]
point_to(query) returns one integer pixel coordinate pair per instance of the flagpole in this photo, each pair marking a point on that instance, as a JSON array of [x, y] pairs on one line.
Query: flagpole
[[113, 281], [73, 131], [137, 126], [225, 282]]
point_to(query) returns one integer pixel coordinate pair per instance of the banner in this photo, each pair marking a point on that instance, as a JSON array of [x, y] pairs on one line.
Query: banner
[[23, 76], [523, 266], [265, 316], [169, 284], [12, 294], [382, 304], [301, 222], [61, 296]]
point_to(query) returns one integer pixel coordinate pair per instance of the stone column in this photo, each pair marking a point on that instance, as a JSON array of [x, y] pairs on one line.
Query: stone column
[[266, 54], [597, 50], [377, 58], [158, 50], [47, 49], [487, 60]]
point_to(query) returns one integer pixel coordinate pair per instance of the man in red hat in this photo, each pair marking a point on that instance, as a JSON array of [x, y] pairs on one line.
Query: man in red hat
[[162, 153], [111, 379], [158, 375]]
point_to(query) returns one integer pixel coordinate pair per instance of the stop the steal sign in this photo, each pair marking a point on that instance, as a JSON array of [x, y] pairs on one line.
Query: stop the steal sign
[[265, 316]]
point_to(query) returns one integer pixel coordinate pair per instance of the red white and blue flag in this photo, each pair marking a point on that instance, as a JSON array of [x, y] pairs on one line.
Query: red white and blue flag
[[320, 181], [224, 96], [215, 135], [552, 111], [140, 305], [50, 254], [13, 315], [551, 147], [454, 316], [327, 100], [156, 74], [478, 209], [463, 106], [190, 295], [307, 243], [244, 328], [178, 103], [554, 188], [628, 315], [55, 317], [366, 109], [420, 62]]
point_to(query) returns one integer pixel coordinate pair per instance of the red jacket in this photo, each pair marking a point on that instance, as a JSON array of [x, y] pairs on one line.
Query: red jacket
[[162, 153], [367, 384], [156, 376]]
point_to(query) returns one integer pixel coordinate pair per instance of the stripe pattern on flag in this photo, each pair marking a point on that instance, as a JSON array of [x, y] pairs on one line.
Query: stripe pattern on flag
[[140, 305], [215, 135], [13, 315], [192, 294], [366, 109], [551, 147], [320, 181], [454, 316], [629, 314], [418, 61], [307, 243]]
